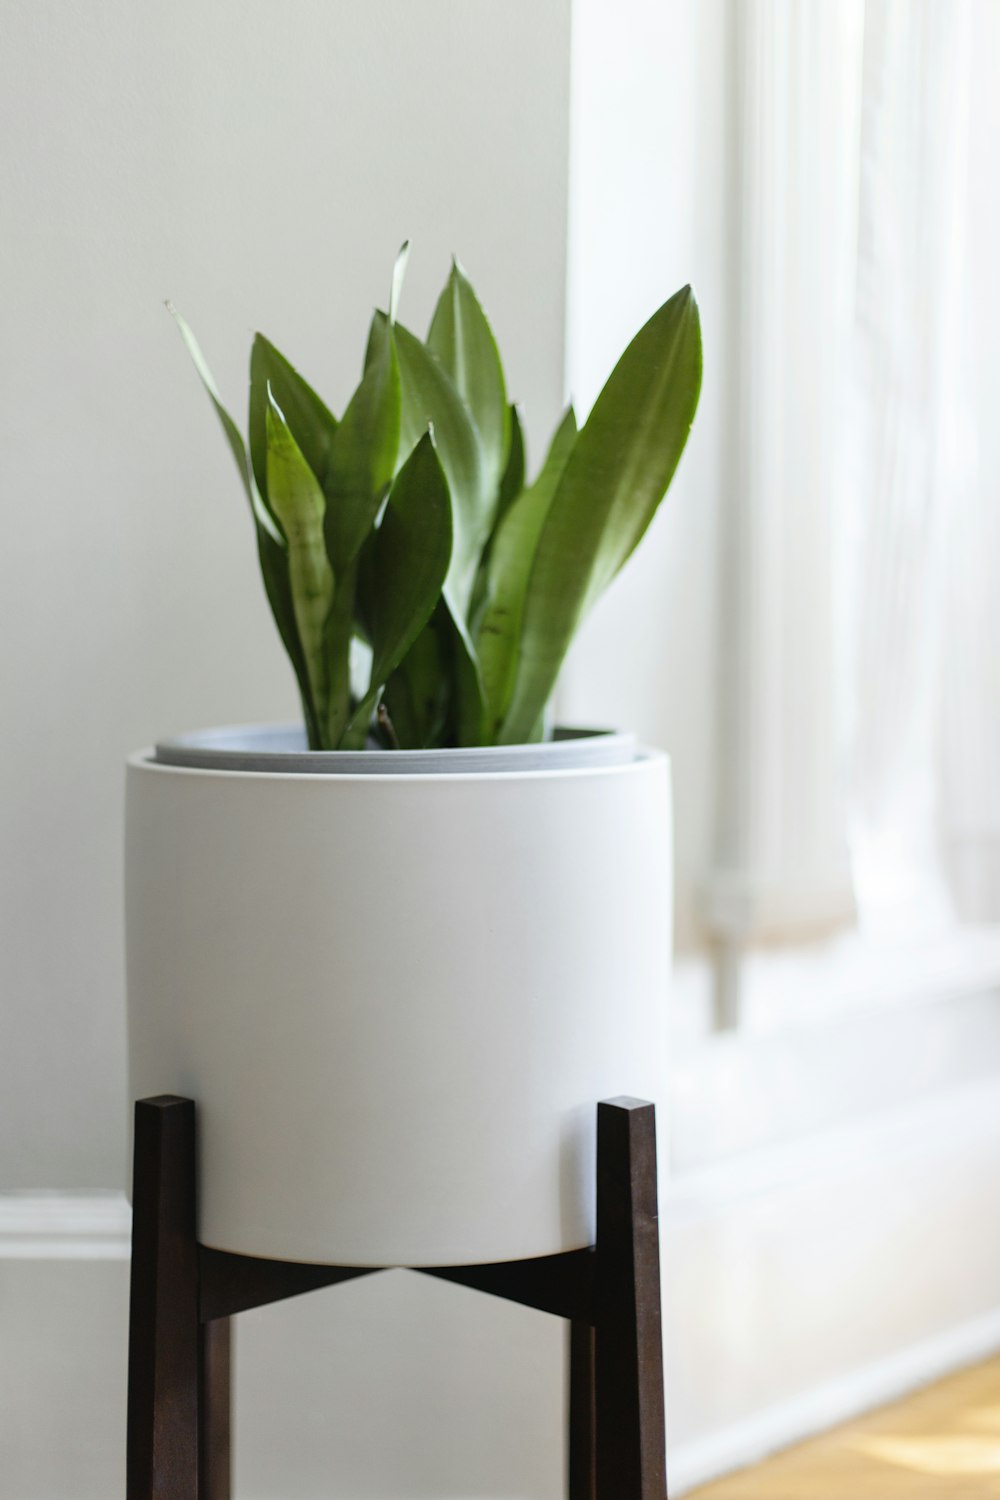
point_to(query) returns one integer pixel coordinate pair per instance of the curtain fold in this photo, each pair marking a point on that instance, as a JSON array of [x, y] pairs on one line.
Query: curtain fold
[[903, 482], [781, 868], [969, 813]]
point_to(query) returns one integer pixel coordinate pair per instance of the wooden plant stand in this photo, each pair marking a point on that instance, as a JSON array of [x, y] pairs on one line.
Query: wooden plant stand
[[184, 1294]]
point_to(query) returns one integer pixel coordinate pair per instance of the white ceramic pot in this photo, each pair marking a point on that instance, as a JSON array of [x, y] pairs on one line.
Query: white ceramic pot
[[397, 998]]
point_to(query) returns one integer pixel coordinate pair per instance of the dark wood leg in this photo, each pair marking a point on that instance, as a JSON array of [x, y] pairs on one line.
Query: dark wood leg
[[582, 1427], [215, 1436], [631, 1447], [164, 1335]]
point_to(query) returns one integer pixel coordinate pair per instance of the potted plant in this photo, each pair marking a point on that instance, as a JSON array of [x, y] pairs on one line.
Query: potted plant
[[398, 952]]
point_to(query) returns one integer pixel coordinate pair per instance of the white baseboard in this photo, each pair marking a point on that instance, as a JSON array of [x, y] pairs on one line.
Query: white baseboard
[[64, 1226]]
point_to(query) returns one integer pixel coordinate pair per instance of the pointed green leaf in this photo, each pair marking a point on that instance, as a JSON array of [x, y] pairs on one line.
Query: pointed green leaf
[[376, 337], [411, 552], [364, 603], [361, 466], [271, 549], [398, 272], [511, 557], [298, 504], [512, 482], [232, 433], [418, 692], [274, 569], [362, 455], [463, 341], [312, 426], [338, 632], [616, 475], [510, 487], [468, 697], [376, 331], [430, 399], [434, 697]]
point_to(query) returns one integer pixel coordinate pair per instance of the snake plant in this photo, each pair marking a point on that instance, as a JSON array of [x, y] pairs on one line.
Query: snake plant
[[426, 593]]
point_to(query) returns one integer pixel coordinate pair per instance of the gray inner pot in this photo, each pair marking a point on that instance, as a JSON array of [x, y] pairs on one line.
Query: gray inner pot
[[283, 748]]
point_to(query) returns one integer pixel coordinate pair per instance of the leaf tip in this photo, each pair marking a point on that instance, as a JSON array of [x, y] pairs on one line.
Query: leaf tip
[[273, 409], [689, 297], [398, 272]]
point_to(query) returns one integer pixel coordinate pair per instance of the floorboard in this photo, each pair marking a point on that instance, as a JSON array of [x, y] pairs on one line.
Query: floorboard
[[941, 1443]]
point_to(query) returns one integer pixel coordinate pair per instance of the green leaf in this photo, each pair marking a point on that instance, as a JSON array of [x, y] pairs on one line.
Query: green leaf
[[230, 430], [398, 272], [364, 604], [619, 469], [511, 557], [298, 503], [463, 341], [512, 482], [376, 331], [338, 631], [411, 552], [417, 695], [431, 400], [310, 423], [271, 550], [468, 696], [362, 455], [359, 472], [278, 587], [434, 697], [510, 487]]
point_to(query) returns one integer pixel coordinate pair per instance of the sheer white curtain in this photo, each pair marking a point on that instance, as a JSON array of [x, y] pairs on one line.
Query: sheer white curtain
[[904, 483], [969, 817], [811, 629], [781, 858], [853, 633]]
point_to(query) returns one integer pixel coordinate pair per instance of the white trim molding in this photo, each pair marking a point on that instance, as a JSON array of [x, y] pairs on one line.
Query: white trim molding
[[64, 1226]]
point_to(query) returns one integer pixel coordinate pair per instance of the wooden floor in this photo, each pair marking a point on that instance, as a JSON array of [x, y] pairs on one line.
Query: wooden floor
[[942, 1443]]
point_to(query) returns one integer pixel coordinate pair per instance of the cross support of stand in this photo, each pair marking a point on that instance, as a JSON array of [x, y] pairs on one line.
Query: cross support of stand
[[184, 1294]]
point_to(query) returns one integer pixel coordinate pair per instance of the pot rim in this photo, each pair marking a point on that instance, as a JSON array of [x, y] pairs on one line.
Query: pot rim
[[272, 750]]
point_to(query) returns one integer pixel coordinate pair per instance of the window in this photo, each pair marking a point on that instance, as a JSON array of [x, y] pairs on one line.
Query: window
[[811, 632]]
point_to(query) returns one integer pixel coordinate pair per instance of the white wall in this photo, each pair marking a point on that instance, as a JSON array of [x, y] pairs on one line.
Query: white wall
[[651, 162], [259, 164]]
